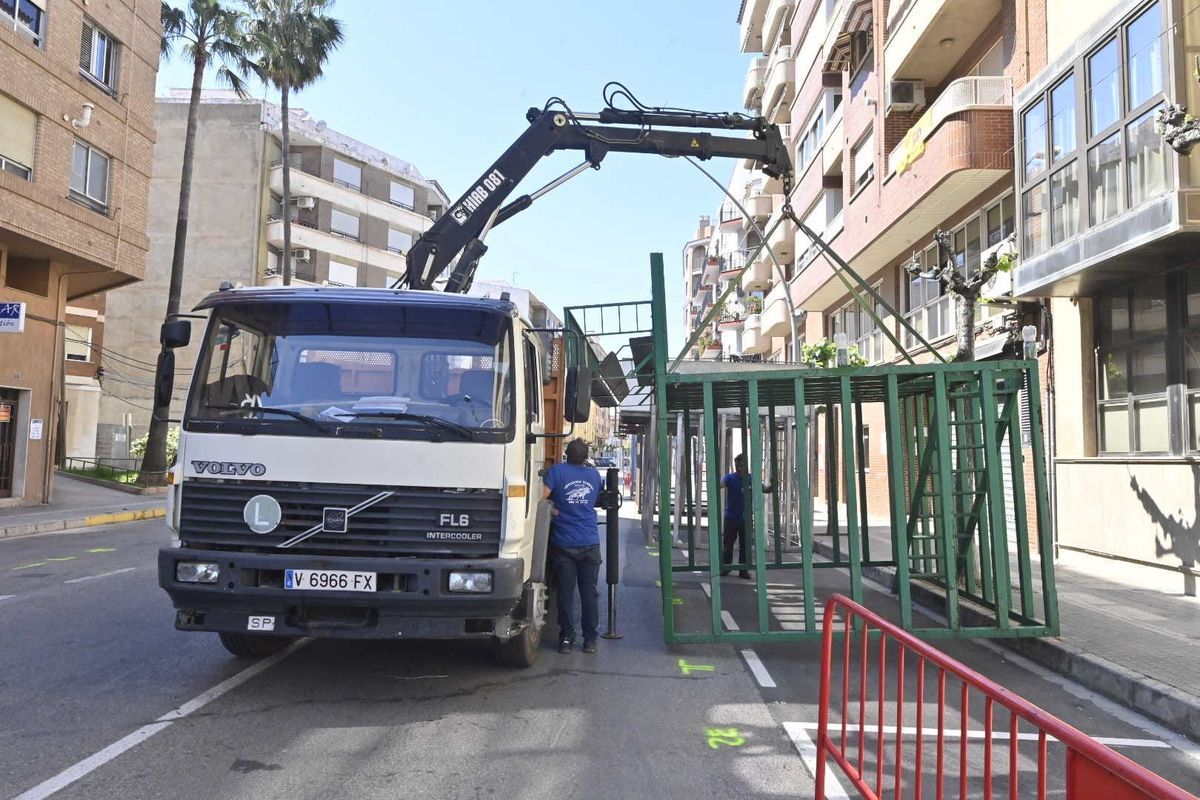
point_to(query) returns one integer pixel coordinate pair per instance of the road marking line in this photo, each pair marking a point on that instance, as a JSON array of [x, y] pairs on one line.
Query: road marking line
[[759, 669], [102, 757], [62, 558], [101, 575], [807, 749], [6, 596], [704, 587], [956, 733], [730, 622], [102, 550], [30, 566]]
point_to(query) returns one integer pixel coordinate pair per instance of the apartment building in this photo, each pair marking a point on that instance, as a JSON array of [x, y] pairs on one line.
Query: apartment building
[[1109, 216], [355, 212], [76, 138]]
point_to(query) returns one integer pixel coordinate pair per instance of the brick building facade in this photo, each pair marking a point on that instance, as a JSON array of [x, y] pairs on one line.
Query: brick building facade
[[76, 147]]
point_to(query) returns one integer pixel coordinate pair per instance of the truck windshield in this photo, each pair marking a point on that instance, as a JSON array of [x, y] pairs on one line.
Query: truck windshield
[[337, 368]]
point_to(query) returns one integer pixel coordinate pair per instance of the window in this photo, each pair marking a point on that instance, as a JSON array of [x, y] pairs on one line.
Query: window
[[18, 129], [89, 176], [78, 343], [864, 161], [1104, 179], [98, 56], [399, 241], [1104, 92], [1134, 341], [27, 17], [810, 142], [342, 273], [343, 224], [1033, 220], [1064, 203], [864, 448], [1147, 162], [347, 174], [402, 195], [1000, 221], [1143, 44], [1034, 134], [1062, 124]]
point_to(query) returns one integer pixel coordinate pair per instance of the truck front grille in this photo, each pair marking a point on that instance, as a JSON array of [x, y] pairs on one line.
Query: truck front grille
[[410, 521]]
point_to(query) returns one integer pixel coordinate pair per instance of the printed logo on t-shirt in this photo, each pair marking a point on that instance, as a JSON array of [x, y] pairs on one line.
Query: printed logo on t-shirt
[[578, 492]]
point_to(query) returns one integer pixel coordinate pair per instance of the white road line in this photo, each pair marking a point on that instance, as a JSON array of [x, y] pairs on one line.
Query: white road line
[[102, 757], [807, 749], [101, 575], [729, 621], [956, 733], [704, 587], [6, 596], [759, 669]]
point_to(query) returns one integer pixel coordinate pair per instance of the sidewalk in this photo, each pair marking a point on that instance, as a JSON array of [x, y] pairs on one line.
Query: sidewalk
[[1128, 632], [78, 504]]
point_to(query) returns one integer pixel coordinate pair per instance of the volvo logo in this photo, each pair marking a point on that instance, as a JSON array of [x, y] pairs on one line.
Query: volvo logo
[[235, 468]]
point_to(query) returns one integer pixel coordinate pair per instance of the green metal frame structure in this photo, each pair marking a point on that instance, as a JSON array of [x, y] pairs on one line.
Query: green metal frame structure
[[957, 535]]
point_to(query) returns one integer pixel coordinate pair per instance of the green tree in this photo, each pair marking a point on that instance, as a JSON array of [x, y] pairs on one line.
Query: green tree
[[207, 34], [289, 43]]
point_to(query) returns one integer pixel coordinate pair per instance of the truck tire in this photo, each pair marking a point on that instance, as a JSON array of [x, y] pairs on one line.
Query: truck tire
[[521, 651], [253, 645]]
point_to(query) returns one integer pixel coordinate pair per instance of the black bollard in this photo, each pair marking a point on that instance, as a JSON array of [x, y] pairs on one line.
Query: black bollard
[[612, 522]]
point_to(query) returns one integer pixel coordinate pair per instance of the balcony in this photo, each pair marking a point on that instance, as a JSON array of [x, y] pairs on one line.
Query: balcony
[[783, 241], [751, 24], [778, 13], [732, 264], [304, 237], [760, 207], [758, 276], [752, 339], [780, 87], [712, 269], [962, 95], [926, 38], [729, 215], [306, 185], [834, 147], [775, 315], [756, 78]]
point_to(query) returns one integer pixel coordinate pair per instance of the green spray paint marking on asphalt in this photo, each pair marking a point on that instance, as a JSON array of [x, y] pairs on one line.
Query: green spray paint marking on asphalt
[[688, 669], [676, 601], [62, 558], [31, 566], [728, 737], [103, 550]]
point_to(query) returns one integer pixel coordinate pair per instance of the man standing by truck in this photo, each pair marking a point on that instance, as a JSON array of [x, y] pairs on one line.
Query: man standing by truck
[[574, 489]]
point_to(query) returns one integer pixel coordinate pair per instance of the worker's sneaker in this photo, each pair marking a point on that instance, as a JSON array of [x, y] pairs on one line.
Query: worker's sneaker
[[589, 648], [565, 646], [744, 574]]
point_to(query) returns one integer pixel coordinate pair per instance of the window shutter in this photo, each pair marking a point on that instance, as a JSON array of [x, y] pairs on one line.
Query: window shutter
[[18, 126], [85, 47]]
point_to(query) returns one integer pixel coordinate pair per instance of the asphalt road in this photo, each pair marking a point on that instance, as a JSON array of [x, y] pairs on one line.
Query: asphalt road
[[101, 697]]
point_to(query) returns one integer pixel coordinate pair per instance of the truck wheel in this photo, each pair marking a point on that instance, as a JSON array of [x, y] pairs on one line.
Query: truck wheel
[[253, 645], [520, 651]]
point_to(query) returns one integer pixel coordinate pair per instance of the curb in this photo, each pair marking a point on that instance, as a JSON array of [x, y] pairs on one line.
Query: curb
[[92, 520], [1164, 704]]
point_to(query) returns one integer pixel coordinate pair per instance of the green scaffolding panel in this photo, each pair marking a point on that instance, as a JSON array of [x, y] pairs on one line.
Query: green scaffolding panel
[[940, 448]]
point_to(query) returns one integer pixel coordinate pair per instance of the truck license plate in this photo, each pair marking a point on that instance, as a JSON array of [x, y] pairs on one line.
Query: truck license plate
[[329, 580]]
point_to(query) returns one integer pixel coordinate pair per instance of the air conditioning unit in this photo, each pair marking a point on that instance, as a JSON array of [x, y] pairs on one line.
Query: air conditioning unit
[[306, 202], [905, 96], [301, 254]]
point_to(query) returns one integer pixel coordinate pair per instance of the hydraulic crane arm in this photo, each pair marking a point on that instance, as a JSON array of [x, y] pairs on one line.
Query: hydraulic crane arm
[[461, 230]]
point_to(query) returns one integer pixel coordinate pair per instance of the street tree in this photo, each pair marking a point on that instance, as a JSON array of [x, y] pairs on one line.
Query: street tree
[[967, 289], [289, 43], [207, 34]]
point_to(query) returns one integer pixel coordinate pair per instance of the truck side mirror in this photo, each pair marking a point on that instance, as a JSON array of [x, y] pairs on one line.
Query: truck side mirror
[[164, 380], [578, 404], [175, 333]]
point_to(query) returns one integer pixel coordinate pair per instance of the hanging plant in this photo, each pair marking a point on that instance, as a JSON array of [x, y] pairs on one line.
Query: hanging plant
[[753, 305]]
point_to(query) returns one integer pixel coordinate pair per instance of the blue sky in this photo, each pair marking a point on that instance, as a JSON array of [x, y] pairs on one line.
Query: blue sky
[[445, 85]]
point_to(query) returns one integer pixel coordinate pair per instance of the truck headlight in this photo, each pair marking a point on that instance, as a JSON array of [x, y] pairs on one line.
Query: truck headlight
[[197, 572], [473, 582]]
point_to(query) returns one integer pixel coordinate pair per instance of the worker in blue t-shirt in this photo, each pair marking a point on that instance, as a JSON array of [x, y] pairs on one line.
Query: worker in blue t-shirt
[[574, 489], [734, 529]]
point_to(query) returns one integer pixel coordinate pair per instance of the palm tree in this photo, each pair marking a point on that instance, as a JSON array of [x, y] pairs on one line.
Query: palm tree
[[289, 42], [207, 32]]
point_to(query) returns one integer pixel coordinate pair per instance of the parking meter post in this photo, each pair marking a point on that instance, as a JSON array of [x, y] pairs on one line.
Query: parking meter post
[[612, 523]]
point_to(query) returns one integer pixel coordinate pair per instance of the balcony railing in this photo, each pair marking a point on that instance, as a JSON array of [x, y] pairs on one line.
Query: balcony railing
[[959, 95], [756, 77]]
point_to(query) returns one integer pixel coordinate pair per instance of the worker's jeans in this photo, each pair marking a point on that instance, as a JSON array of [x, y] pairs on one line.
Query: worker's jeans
[[734, 530], [577, 568]]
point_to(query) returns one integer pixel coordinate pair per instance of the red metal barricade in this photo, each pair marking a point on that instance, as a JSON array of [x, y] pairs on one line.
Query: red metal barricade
[[855, 742]]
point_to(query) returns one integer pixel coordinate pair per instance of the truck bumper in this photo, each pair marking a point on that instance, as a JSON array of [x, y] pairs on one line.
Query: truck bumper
[[410, 601]]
